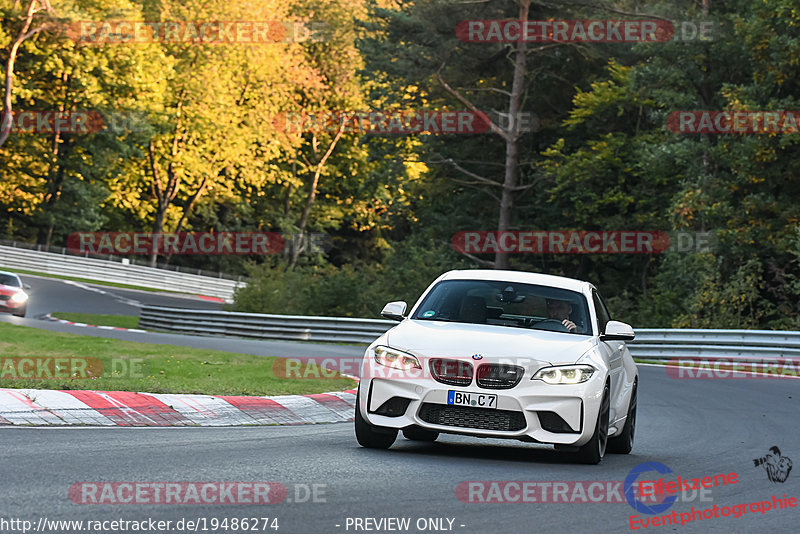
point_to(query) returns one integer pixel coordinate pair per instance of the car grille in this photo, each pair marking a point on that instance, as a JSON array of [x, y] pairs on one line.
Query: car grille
[[5, 297], [451, 372], [465, 417], [499, 376]]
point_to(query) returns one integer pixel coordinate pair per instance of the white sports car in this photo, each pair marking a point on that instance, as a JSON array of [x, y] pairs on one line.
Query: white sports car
[[502, 354]]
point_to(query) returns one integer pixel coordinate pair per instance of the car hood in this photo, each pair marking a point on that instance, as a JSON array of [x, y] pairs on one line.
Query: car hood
[[460, 340]]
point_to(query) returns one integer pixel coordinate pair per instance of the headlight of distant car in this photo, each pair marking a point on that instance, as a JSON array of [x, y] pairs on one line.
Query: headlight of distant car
[[19, 297], [564, 374], [396, 359]]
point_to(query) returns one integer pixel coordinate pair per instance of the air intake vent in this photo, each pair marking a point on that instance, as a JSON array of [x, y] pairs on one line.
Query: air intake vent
[[465, 417], [552, 422], [394, 407]]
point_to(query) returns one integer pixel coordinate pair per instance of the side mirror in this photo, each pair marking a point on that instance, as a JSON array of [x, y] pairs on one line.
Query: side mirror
[[26, 286], [617, 331], [395, 310]]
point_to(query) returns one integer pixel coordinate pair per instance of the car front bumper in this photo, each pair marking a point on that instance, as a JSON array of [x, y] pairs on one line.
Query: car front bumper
[[523, 412], [9, 306]]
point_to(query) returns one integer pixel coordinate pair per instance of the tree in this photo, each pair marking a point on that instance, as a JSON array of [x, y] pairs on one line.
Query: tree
[[216, 111], [335, 60], [497, 79], [32, 23], [58, 182]]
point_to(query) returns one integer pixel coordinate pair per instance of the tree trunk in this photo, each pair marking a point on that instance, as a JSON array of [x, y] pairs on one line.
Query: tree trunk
[[312, 195], [24, 34], [158, 227], [165, 194], [512, 141], [55, 174]]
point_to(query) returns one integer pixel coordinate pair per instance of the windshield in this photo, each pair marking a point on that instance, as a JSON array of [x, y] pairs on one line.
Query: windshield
[[9, 280], [506, 304]]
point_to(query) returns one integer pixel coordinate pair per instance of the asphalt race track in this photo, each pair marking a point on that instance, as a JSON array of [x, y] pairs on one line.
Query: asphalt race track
[[697, 428], [49, 295]]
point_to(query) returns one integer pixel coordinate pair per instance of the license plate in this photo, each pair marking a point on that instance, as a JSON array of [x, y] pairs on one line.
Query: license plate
[[475, 400]]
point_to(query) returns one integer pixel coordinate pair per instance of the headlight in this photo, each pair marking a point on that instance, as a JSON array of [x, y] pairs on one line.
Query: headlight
[[19, 297], [565, 374], [396, 359]]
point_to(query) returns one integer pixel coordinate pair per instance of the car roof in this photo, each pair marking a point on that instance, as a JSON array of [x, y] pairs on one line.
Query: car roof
[[523, 277], [9, 274]]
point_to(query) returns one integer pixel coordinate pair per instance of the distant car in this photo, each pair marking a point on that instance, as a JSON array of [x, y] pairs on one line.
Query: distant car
[[13, 298], [502, 354]]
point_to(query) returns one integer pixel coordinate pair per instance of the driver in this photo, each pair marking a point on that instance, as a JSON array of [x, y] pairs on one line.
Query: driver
[[560, 310]]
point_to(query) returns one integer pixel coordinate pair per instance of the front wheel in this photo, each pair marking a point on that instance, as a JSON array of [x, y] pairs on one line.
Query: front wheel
[[20, 312], [595, 449], [371, 436], [623, 444]]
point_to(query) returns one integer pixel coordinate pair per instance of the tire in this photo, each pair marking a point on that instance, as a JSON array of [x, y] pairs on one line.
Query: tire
[[20, 312], [371, 436], [595, 449], [420, 434], [623, 444]]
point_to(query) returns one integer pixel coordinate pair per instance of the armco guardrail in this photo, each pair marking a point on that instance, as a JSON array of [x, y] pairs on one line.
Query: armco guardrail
[[112, 271], [740, 345], [263, 326], [650, 344]]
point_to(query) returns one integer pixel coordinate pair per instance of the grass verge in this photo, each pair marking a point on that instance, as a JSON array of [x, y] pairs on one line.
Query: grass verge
[[127, 366], [121, 321]]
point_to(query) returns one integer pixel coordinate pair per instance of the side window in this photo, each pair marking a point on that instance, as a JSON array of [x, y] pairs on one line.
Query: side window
[[602, 312]]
